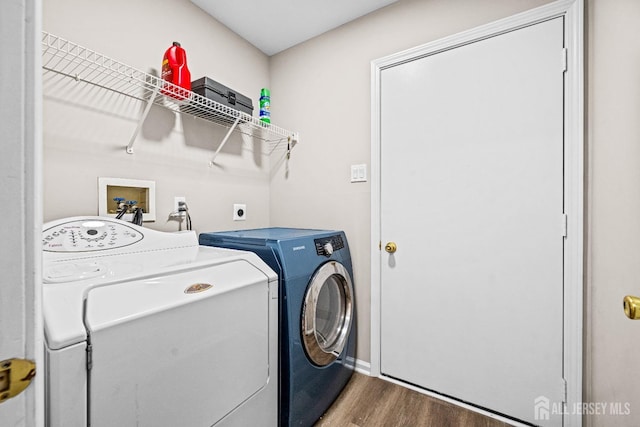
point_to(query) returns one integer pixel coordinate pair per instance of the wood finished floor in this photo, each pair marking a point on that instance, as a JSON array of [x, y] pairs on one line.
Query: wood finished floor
[[372, 402]]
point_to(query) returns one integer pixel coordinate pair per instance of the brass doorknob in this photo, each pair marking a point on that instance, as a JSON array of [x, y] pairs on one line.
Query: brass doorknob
[[631, 306], [391, 247]]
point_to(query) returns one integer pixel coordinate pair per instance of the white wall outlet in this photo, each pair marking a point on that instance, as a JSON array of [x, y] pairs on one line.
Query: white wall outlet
[[239, 212], [176, 202], [359, 173]]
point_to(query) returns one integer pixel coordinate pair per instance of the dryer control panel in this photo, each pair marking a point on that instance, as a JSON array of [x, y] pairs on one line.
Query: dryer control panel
[[327, 245], [89, 235]]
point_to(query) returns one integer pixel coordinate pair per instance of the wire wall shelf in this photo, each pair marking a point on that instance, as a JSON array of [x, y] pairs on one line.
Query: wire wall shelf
[[66, 58]]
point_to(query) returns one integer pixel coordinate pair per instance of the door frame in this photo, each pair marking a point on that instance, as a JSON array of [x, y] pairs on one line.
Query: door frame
[[21, 190], [573, 13]]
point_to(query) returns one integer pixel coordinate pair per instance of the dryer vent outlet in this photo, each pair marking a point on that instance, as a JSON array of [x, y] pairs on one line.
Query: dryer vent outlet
[[239, 212]]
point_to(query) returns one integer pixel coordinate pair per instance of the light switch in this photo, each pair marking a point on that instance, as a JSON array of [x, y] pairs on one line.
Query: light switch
[[359, 173]]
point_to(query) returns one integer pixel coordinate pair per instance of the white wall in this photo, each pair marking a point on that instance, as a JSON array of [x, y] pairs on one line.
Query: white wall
[[86, 130], [613, 112], [322, 88]]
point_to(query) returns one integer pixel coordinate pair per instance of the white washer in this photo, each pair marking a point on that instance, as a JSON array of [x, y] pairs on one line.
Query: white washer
[[147, 328]]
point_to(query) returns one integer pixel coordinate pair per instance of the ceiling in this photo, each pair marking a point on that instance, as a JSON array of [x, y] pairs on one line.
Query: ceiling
[[275, 25]]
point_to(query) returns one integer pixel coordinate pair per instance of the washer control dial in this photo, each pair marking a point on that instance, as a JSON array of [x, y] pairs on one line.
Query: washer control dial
[[328, 248]]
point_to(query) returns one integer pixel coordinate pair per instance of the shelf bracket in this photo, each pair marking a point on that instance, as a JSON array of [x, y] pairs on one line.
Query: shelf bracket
[[224, 141], [145, 113]]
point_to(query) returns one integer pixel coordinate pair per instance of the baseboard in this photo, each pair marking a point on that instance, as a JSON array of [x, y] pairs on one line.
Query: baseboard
[[360, 366]]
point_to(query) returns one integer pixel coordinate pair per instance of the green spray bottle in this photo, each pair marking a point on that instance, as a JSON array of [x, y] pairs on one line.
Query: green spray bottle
[[265, 105]]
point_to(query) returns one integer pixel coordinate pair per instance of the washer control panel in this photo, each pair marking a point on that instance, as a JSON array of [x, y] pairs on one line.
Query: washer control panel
[[89, 235], [328, 245]]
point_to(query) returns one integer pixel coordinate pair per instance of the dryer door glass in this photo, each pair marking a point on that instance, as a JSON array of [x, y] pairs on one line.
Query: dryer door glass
[[327, 313]]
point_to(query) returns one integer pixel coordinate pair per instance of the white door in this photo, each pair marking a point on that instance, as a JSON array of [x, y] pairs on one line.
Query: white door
[[472, 194], [20, 326]]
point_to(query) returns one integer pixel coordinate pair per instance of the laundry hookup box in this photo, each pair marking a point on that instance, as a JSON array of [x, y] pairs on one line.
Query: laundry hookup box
[[218, 92]]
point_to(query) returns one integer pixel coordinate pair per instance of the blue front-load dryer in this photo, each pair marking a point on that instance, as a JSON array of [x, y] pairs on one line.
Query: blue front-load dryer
[[317, 313]]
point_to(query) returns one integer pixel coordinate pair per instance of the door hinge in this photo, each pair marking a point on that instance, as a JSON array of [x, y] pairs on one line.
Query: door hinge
[[565, 224], [563, 390], [15, 376], [565, 59], [89, 357]]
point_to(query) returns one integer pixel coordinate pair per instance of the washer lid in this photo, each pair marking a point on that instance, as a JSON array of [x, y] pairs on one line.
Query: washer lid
[[123, 302], [63, 302]]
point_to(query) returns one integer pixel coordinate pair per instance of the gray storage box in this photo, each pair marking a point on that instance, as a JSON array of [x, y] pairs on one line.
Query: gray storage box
[[215, 91]]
